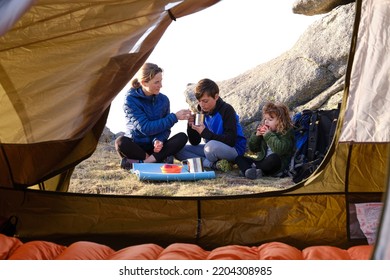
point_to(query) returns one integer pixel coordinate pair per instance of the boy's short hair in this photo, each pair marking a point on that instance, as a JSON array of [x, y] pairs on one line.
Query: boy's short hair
[[206, 86]]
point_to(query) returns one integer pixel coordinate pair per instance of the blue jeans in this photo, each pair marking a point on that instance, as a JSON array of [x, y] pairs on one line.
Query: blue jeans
[[211, 152]]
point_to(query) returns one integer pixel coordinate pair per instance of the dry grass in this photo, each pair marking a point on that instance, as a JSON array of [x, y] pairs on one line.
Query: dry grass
[[101, 174]]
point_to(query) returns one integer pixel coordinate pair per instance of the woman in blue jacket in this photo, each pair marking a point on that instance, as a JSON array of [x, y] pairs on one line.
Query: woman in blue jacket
[[149, 121]]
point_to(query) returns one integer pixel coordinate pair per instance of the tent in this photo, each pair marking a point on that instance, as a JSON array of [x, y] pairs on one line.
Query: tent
[[62, 64]]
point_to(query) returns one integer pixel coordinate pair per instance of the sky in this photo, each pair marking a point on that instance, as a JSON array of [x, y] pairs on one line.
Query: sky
[[218, 43]]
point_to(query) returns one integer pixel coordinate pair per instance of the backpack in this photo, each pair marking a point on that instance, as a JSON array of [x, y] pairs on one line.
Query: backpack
[[314, 131]]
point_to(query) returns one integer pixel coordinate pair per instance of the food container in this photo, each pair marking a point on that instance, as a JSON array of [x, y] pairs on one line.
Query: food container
[[171, 168]]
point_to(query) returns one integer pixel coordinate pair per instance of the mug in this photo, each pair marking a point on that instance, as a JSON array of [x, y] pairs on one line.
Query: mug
[[195, 165], [199, 118]]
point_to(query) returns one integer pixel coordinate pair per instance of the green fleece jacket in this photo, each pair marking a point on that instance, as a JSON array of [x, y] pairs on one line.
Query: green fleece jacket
[[281, 144]]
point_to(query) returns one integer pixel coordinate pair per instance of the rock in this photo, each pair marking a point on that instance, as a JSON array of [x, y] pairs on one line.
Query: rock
[[316, 7], [107, 136], [310, 74]]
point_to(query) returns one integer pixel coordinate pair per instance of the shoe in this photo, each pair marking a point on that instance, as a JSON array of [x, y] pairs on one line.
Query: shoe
[[253, 173], [127, 163], [223, 165]]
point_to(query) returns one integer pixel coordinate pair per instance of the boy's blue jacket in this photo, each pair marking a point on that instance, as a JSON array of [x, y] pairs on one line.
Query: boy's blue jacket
[[221, 125], [148, 117]]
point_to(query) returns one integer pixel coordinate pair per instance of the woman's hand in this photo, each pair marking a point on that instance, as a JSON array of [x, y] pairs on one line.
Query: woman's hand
[[158, 145], [183, 114]]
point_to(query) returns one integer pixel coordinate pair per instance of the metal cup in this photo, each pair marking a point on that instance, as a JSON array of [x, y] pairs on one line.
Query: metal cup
[[199, 119]]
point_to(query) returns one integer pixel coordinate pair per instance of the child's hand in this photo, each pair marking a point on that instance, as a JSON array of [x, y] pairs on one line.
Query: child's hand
[[198, 128], [262, 129], [191, 120]]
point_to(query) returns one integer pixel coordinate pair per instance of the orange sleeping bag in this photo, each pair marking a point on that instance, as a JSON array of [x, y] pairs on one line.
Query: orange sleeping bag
[[12, 248]]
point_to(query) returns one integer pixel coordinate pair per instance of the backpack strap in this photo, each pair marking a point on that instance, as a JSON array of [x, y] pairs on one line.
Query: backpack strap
[[313, 136], [333, 126]]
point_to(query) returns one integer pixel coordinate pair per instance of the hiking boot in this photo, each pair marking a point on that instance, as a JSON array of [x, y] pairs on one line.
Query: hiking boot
[[223, 165], [127, 163], [253, 173]]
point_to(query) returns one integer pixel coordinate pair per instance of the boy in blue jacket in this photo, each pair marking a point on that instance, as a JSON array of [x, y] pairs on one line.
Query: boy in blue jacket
[[221, 130]]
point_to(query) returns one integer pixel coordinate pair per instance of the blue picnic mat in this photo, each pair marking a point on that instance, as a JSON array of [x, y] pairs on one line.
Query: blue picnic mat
[[152, 172]]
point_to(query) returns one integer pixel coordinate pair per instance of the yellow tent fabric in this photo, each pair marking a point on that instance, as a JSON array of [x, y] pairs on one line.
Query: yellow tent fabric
[[61, 65]]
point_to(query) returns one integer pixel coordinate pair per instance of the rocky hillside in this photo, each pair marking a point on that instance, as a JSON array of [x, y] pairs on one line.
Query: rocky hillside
[[308, 76]]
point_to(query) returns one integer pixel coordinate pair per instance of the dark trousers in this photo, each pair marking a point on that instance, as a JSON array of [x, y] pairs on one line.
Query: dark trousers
[[268, 165], [126, 147]]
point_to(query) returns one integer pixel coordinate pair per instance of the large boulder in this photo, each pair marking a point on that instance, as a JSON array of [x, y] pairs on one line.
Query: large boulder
[[316, 7], [310, 74]]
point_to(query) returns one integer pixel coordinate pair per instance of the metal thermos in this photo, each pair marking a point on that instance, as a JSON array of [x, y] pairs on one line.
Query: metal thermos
[[195, 165]]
